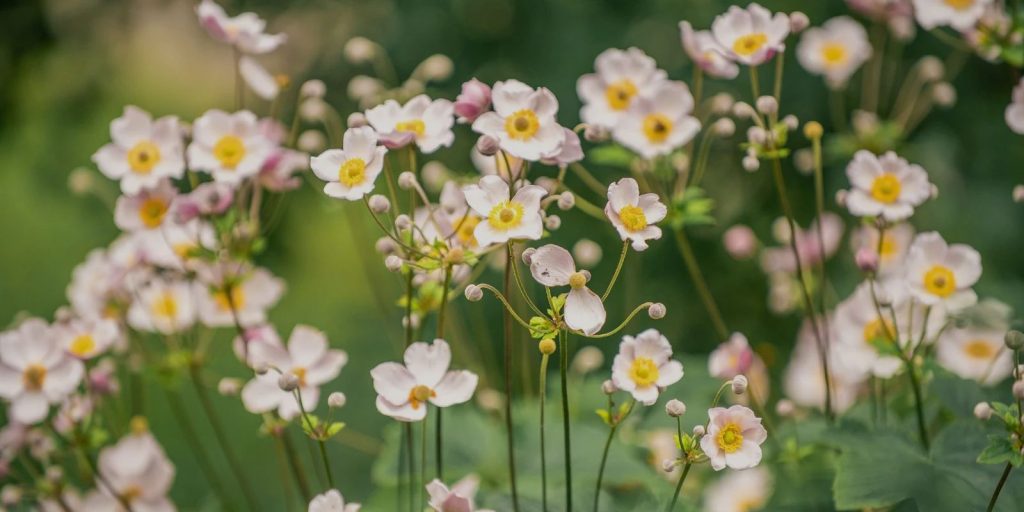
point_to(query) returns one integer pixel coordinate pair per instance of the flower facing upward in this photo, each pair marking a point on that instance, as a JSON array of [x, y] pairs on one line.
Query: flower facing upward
[[351, 170], [147, 209], [751, 36], [733, 438], [164, 306], [835, 50], [660, 124], [505, 218], [938, 273], [552, 266], [252, 294], [893, 249], [634, 215], [142, 151], [959, 14], [231, 147], [425, 122], [975, 353], [701, 47], [86, 339], [35, 371], [245, 31], [886, 186], [331, 501], [138, 471], [622, 76], [523, 120], [644, 366], [403, 391]]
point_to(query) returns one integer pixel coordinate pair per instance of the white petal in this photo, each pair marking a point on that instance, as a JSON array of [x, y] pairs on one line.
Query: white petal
[[428, 362], [584, 311], [552, 265], [455, 388]]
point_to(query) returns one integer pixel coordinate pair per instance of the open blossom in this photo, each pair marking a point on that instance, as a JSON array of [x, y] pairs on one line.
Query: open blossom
[[252, 293], [733, 357], [210, 198], [247, 31], [644, 366], [739, 491], [135, 470], [351, 170], [553, 266], [403, 391], [894, 246], [886, 186], [938, 273], [35, 371], [98, 285], [1015, 110], [474, 100], [622, 76], [705, 52], [808, 245], [426, 122], [835, 50], [458, 498], [147, 209], [331, 501], [660, 124], [506, 218], [751, 36], [174, 245], [734, 437], [143, 151], [959, 14], [165, 306], [523, 120], [307, 356], [86, 339], [280, 172], [634, 215], [975, 353], [571, 150], [231, 147], [804, 381]]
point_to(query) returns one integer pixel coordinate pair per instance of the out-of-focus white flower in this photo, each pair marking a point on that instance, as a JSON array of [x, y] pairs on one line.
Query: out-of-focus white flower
[[245, 31], [808, 245], [661, 445], [739, 491], [174, 245], [568, 152], [86, 339], [1015, 110], [426, 122], [886, 186], [137, 471], [622, 76], [553, 266], [634, 215], [751, 36], [975, 353], [731, 358], [165, 306], [147, 209], [231, 147], [523, 120], [959, 14], [252, 294], [660, 124], [474, 100], [35, 371], [143, 151], [894, 247], [258, 78], [210, 198], [804, 381], [459, 498], [938, 273], [403, 391], [506, 218], [331, 501], [705, 52], [360, 49], [740, 242], [351, 171], [733, 438], [644, 366], [835, 50]]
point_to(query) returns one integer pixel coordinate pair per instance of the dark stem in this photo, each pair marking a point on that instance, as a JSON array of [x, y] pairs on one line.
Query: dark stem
[[702, 287], [509, 261], [679, 487], [999, 487], [293, 461], [180, 414], [564, 371]]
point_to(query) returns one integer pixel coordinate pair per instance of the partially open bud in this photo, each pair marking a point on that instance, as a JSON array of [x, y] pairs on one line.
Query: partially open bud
[[608, 387], [487, 145], [379, 203], [547, 346], [698, 430], [566, 201], [473, 293], [798, 21], [983, 411], [288, 382], [552, 222], [739, 384], [393, 263], [336, 400], [867, 260], [1014, 339], [357, 120], [675, 408], [403, 222], [656, 311]]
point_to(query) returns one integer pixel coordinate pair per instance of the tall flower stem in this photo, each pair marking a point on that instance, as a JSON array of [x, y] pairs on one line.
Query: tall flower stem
[[296, 466], [564, 372], [686, 250], [438, 435], [999, 487], [510, 437], [618, 270], [543, 452], [915, 385], [407, 427], [607, 445], [819, 203], [323, 447], [423, 460], [180, 414], [679, 487]]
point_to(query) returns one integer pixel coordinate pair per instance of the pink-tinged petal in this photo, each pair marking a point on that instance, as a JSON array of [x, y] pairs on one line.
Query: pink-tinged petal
[[428, 362], [393, 382], [11, 382], [29, 408], [654, 210], [489, 123], [384, 116], [625, 192], [361, 143], [652, 345], [326, 368], [112, 160], [490, 191], [544, 103], [402, 412], [133, 126], [748, 456], [438, 492], [530, 196], [584, 311], [455, 388], [670, 373], [552, 265], [262, 394], [63, 378], [646, 395], [306, 345]]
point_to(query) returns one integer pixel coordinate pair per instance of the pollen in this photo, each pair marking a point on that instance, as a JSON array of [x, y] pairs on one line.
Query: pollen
[[834, 54], [643, 372], [165, 306], [82, 345], [522, 125], [633, 218], [979, 349], [300, 372], [143, 157], [577, 280], [749, 44], [237, 301], [939, 280], [657, 127], [229, 150], [419, 395], [414, 126], [505, 215], [960, 5], [886, 188], [34, 377], [730, 438], [620, 94], [879, 329], [466, 229], [152, 211]]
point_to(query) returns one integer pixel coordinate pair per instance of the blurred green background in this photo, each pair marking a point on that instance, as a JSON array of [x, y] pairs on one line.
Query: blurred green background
[[67, 67]]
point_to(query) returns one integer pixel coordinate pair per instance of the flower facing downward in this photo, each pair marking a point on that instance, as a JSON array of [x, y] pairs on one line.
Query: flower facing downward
[[142, 151], [660, 124], [701, 47], [403, 391], [231, 147], [351, 171], [551, 266], [425, 122], [937, 273], [643, 366], [35, 371], [459, 498], [733, 438], [331, 501], [751, 36], [634, 215], [145, 210], [622, 76], [886, 186], [245, 31], [505, 218], [835, 50], [523, 120], [959, 14]]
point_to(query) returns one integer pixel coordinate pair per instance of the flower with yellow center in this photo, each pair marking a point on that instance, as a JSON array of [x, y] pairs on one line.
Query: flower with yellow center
[[143, 157], [505, 215], [419, 396], [413, 126], [229, 151], [879, 329], [236, 302], [657, 127], [633, 218], [33, 377], [940, 280], [553, 266], [979, 349], [834, 54], [619, 94], [751, 35], [404, 390], [749, 44], [300, 373], [522, 125], [643, 371], [634, 215], [730, 438], [421, 120], [733, 438], [960, 5], [464, 228], [352, 172], [165, 306], [152, 211], [142, 152], [886, 188], [644, 366], [82, 345]]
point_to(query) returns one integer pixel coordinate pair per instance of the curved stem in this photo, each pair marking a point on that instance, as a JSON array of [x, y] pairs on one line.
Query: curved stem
[[618, 269], [519, 280], [563, 371], [543, 453], [679, 485], [624, 323], [999, 487], [698, 282], [504, 301]]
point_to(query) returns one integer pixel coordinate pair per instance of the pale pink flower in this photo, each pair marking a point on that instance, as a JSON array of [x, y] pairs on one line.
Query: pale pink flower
[[751, 35], [731, 358], [253, 292], [584, 310], [403, 391], [147, 209], [143, 151], [634, 215], [734, 437], [210, 198], [86, 339], [459, 498], [163, 305], [505, 217], [644, 366], [886, 186], [523, 120], [231, 147], [808, 246], [351, 171], [622, 76], [138, 471], [937, 273], [740, 242], [247, 31], [331, 501], [35, 371], [705, 52], [423, 121]]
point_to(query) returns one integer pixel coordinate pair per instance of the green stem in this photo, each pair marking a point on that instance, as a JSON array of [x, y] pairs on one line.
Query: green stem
[[180, 414], [519, 280], [438, 453], [312, 430], [624, 323], [915, 384], [999, 487], [679, 484], [700, 284], [510, 436], [423, 461], [618, 269], [564, 371], [296, 466], [604, 454], [543, 453]]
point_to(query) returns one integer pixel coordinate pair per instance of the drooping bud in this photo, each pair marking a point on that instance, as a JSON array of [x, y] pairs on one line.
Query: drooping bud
[[552, 222], [1014, 339], [767, 105], [314, 88], [656, 311], [798, 21], [566, 200], [739, 385], [867, 260], [608, 387], [403, 222], [698, 430], [473, 293], [406, 180], [379, 203], [724, 127], [487, 145], [336, 400], [596, 133]]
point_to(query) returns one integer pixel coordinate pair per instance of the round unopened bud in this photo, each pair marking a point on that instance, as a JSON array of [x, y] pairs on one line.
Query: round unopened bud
[[751, 163], [798, 21], [944, 94], [588, 359], [527, 255], [791, 121], [668, 465], [1018, 390], [739, 384], [552, 222], [785, 407], [359, 50], [385, 245], [81, 181], [379, 203], [983, 411], [487, 145], [473, 293], [336, 400], [455, 256], [724, 127], [547, 346], [311, 141], [288, 382], [312, 109], [1018, 194], [867, 260], [656, 311], [813, 130], [437, 67], [314, 88], [403, 222], [261, 369], [357, 120], [566, 200], [767, 105], [1014, 339], [721, 103], [803, 160], [698, 430], [596, 133], [608, 387], [587, 252], [743, 110], [229, 386], [756, 135], [931, 68], [393, 263], [406, 180], [675, 408]]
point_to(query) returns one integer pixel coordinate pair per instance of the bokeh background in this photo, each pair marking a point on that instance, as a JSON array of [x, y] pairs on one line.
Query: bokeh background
[[67, 67]]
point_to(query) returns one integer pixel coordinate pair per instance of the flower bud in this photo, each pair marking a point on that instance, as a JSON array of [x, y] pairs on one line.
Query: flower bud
[[813, 130], [791, 121], [785, 407], [359, 50], [740, 242], [721, 103], [406, 180], [656, 311], [867, 260], [473, 293], [379, 203], [596, 133], [363, 86], [552, 222], [931, 68], [436, 68], [1014, 339], [675, 408], [983, 411], [288, 382], [474, 100], [944, 94], [527, 255], [1018, 194], [743, 110], [311, 141], [756, 135], [767, 105], [403, 222], [587, 252], [566, 200], [739, 385], [698, 430], [798, 21], [336, 400], [393, 263], [261, 369], [668, 465], [588, 359], [455, 256], [314, 88], [385, 245], [1018, 390], [81, 181], [608, 387], [229, 386], [357, 120], [487, 145], [312, 109], [724, 127], [751, 163], [841, 197], [547, 346]]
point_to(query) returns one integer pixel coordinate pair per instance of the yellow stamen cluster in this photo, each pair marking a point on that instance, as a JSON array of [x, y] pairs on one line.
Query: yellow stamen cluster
[[34, 377], [749, 44], [643, 372], [419, 395], [620, 94], [82, 345], [152, 211], [979, 349], [229, 150], [165, 306], [352, 172], [522, 125], [730, 438], [960, 5], [237, 301], [886, 188], [834, 54], [939, 280], [143, 157], [505, 215], [414, 126], [633, 218], [879, 329], [657, 127]]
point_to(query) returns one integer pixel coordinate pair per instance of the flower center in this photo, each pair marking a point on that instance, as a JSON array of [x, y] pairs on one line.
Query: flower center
[[960, 5], [633, 218], [419, 395], [833, 54], [414, 126], [230, 150], [939, 280], [522, 125], [82, 345], [886, 188], [184, 249], [165, 306], [131, 493], [300, 372], [620, 93], [749, 504], [143, 157], [577, 280], [979, 349], [643, 372], [352, 172], [236, 302], [879, 329], [152, 211], [749, 44], [889, 246], [657, 127], [466, 230], [730, 438], [505, 215], [34, 377]]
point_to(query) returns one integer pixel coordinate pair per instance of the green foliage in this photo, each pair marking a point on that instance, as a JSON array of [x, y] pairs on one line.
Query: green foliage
[[319, 429]]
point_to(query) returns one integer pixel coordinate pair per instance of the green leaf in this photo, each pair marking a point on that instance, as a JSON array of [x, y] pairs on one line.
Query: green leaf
[[1000, 450], [333, 429], [611, 155], [605, 416], [310, 425], [541, 328]]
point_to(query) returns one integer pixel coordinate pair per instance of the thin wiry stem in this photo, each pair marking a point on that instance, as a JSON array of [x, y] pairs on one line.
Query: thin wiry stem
[[543, 453], [510, 436], [679, 486], [618, 269], [999, 487], [564, 371], [700, 284]]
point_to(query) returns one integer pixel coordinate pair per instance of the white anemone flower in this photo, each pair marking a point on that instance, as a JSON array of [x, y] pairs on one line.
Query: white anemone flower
[[247, 31], [660, 124], [962, 15], [886, 186], [403, 391], [523, 120], [752, 35], [835, 50], [331, 501], [351, 171], [505, 218], [584, 310], [307, 356], [975, 353], [622, 76], [634, 215], [174, 245], [938, 273], [35, 371], [252, 294], [86, 339], [1015, 110], [734, 437], [135, 470], [164, 306], [145, 210], [426, 122], [804, 381], [731, 358], [895, 245], [458, 498], [739, 491], [143, 151], [644, 366], [231, 147], [705, 52]]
